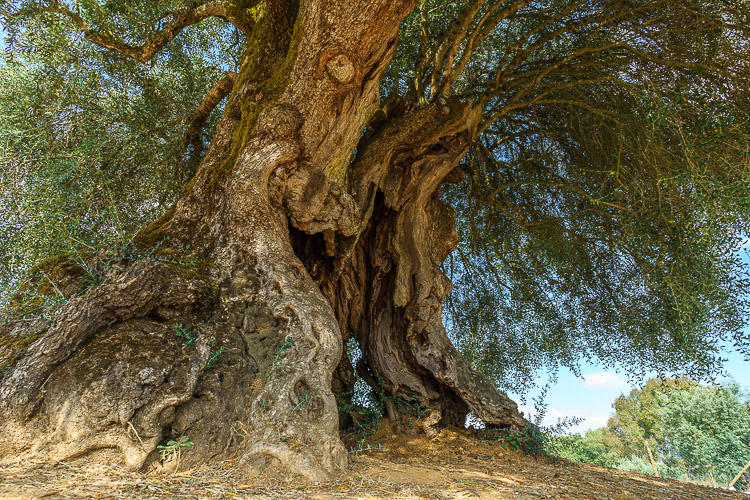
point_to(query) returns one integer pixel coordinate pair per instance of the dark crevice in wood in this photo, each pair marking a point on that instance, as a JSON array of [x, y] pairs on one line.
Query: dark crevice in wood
[[311, 250]]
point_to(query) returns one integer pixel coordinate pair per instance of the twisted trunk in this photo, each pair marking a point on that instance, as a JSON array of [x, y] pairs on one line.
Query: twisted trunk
[[293, 247]]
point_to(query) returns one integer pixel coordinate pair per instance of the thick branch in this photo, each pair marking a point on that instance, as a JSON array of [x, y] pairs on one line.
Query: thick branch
[[483, 28], [447, 53], [150, 47], [145, 286], [198, 119]]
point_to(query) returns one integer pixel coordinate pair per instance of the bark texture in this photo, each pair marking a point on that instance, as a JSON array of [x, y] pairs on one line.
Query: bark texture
[[389, 289], [294, 248]]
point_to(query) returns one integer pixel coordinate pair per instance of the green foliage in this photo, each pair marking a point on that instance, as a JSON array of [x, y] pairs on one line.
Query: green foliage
[[707, 432], [638, 464], [365, 405], [638, 416], [187, 336], [607, 192], [534, 439], [287, 343], [170, 451], [55, 280], [508, 439], [214, 355], [411, 409], [90, 140], [698, 433], [512, 441], [598, 447]]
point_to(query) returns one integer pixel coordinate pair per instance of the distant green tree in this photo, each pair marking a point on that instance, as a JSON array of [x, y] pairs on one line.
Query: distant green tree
[[696, 432], [706, 432], [598, 446], [639, 415]]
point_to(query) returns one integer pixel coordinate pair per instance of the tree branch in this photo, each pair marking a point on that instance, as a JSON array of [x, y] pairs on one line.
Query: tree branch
[[447, 53], [144, 52], [217, 93], [198, 119], [482, 29]]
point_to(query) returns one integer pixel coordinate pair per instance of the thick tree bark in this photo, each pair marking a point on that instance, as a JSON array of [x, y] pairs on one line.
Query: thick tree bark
[[293, 246], [389, 289]]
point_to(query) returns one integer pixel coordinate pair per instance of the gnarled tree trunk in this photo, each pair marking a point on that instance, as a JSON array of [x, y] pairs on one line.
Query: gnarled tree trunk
[[287, 247]]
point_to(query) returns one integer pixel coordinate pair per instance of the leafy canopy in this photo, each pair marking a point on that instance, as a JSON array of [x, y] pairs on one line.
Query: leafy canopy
[[607, 193], [602, 202], [91, 141]]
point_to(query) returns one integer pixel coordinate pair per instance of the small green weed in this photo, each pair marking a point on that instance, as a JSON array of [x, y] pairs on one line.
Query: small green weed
[[363, 448], [187, 337], [285, 345], [215, 354], [413, 409], [303, 401], [365, 418], [507, 438], [533, 440], [512, 441], [92, 279], [169, 451]]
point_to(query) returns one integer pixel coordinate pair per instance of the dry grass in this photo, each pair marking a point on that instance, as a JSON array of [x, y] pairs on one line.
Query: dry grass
[[454, 466]]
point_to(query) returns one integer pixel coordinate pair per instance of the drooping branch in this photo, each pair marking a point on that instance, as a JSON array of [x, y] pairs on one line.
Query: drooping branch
[[145, 51], [519, 51], [617, 41]]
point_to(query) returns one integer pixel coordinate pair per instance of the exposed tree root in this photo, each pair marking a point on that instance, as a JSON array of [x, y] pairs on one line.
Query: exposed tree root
[[249, 375]]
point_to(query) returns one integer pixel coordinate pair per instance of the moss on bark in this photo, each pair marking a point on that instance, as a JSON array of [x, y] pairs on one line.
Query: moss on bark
[[267, 73], [13, 348]]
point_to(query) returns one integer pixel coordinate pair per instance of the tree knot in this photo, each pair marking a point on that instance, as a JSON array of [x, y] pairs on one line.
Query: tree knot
[[341, 68], [279, 121]]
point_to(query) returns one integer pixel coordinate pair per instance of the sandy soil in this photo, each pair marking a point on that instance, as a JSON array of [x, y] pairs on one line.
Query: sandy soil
[[454, 466]]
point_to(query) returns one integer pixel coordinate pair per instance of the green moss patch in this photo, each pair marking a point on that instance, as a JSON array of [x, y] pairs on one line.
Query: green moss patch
[[155, 232], [13, 349], [258, 64]]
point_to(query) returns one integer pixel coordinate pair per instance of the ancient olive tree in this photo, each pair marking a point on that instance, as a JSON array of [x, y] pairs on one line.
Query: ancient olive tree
[[585, 145]]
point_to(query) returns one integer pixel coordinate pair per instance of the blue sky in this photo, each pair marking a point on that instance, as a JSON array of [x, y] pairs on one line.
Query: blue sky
[[591, 398]]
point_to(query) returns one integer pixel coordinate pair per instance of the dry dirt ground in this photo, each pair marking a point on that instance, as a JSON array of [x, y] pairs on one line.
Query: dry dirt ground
[[455, 465]]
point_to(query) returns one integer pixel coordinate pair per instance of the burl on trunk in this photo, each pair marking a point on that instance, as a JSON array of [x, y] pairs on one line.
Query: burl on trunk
[[312, 220]]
